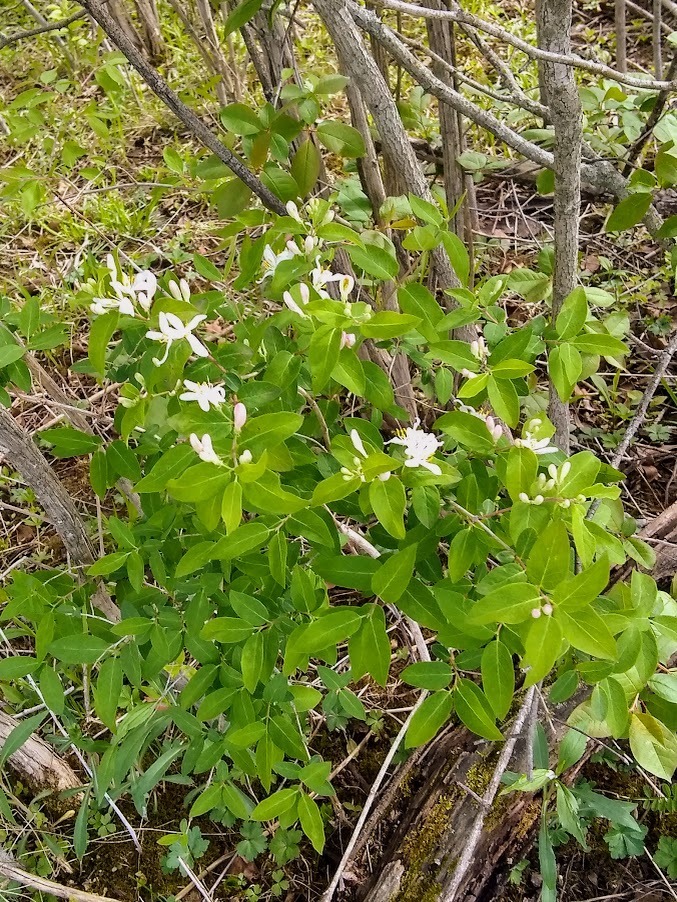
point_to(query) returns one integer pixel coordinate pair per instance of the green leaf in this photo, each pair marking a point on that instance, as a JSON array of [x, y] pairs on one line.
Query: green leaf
[[416, 300], [266, 431], [475, 711], [311, 821], [248, 537], [588, 632], [231, 506], [240, 119], [653, 745], [227, 630], [348, 571], [18, 666], [565, 367], [571, 318], [498, 677], [78, 649], [504, 399], [279, 803], [108, 691], [432, 675], [377, 262], [52, 690], [550, 560], [520, 471], [462, 552], [387, 324], [665, 686], [323, 355], [369, 647], [430, 717], [329, 630], [277, 558], [208, 799], [585, 587], [241, 15], [81, 830], [100, 333], [122, 461], [542, 648], [389, 501], [341, 139], [568, 815], [509, 604], [252, 660], [69, 442], [600, 343], [467, 430], [630, 211], [231, 197], [458, 256], [456, 354], [10, 353], [305, 167], [393, 577], [172, 463]]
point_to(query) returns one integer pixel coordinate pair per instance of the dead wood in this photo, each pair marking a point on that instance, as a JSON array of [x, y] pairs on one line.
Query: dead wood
[[37, 762], [14, 873]]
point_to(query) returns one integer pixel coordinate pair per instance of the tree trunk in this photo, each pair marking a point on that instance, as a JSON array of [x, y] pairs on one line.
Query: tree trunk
[[561, 95]]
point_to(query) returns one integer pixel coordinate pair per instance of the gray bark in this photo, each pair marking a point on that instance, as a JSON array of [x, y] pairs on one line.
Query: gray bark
[[621, 36], [561, 95]]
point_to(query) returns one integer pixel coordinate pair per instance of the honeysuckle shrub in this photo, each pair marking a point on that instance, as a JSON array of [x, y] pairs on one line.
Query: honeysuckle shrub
[[257, 434]]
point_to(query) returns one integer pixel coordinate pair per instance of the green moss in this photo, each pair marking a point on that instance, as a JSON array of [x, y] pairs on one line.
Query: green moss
[[417, 885]]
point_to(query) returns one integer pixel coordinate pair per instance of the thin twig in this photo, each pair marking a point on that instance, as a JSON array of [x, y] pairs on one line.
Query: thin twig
[[43, 29], [634, 425], [13, 872], [464, 862]]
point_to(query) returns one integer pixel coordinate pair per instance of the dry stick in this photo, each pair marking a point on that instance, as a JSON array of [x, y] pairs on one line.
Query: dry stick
[[43, 29], [451, 887], [371, 798], [465, 18], [560, 92], [13, 872], [159, 86]]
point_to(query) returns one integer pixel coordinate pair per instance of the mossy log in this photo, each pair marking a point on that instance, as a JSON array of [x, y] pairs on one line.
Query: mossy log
[[424, 832]]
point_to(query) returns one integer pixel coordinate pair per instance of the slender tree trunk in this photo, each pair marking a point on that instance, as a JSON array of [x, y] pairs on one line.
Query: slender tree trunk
[[150, 22], [657, 39], [559, 89], [621, 36]]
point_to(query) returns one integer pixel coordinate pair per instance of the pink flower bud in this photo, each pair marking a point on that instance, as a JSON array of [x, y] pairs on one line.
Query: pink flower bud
[[239, 416], [547, 609], [348, 339]]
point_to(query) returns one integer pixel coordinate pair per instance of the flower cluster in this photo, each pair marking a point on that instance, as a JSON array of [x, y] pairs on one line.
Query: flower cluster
[[128, 294]]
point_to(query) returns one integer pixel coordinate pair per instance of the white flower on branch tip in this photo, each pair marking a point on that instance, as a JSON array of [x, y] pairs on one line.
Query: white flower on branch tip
[[204, 449], [478, 349], [204, 393], [271, 260], [172, 329], [358, 444], [304, 294], [419, 447], [293, 211], [321, 277]]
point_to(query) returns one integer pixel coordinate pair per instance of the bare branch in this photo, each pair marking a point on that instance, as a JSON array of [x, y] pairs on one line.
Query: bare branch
[[18, 875], [465, 18], [43, 29], [156, 83]]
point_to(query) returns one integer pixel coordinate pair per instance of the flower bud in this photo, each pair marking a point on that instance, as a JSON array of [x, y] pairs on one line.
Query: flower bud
[[239, 416], [536, 613], [348, 339], [565, 470], [245, 457], [384, 477], [547, 609], [524, 498]]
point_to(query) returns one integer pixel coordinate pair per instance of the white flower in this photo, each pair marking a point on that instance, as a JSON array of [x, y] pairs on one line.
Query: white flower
[[293, 211], [181, 291], [384, 477], [127, 294], [245, 457], [537, 445], [419, 446], [479, 349], [172, 329], [346, 285], [321, 277], [145, 286], [494, 428], [304, 293], [348, 339], [239, 416], [271, 260], [204, 393], [358, 444], [204, 449]]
